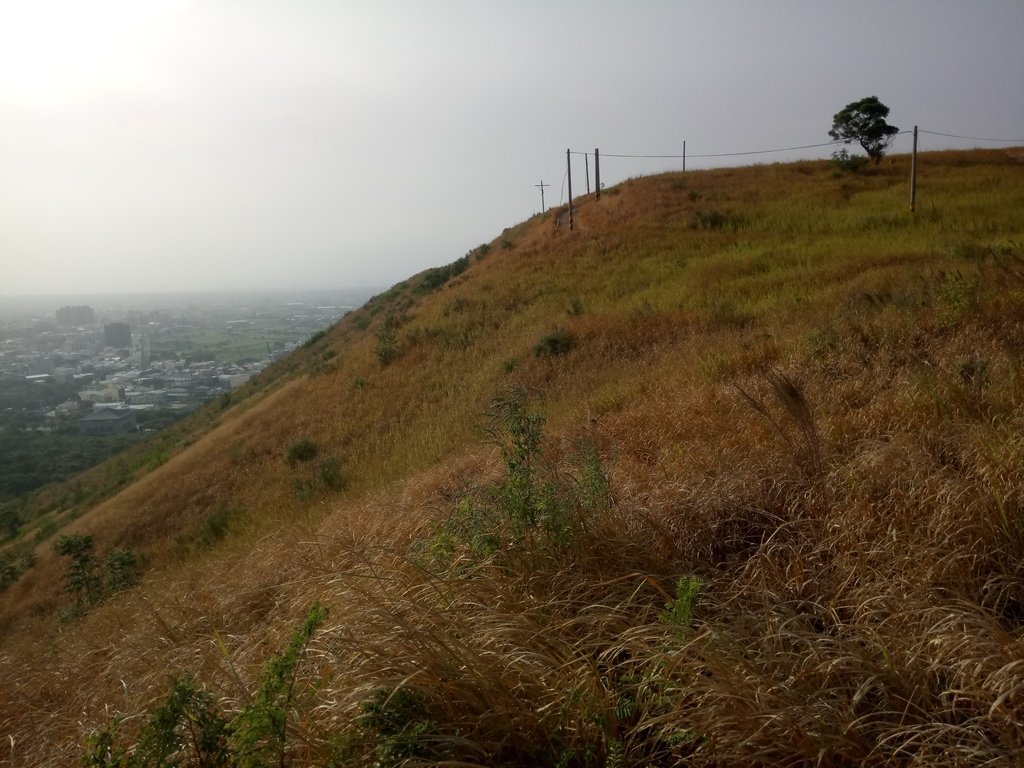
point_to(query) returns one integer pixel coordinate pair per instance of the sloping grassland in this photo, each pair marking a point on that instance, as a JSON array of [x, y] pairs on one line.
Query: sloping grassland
[[730, 474]]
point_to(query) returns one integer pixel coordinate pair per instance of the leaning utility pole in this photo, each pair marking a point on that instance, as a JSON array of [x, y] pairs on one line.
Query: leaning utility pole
[[597, 171], [913, 175], [541, 187], [568, 173]]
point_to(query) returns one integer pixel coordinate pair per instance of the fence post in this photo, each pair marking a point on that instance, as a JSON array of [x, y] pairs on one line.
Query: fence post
[[913, 174], [597, 172]]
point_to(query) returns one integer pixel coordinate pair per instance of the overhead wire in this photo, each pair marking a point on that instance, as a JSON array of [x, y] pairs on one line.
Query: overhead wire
[[780, 149], [969, 138], [833, 143], [719, 154]]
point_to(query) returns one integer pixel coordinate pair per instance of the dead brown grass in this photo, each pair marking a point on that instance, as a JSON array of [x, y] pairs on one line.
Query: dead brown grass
[[838, 461]]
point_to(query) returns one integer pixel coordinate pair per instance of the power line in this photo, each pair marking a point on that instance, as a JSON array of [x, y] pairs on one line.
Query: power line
[[719, 154], [766, 151], [971, 138], [784, 149], [731, 154]]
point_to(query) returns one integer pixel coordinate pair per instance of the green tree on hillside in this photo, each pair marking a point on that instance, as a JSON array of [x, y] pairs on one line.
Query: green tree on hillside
[[864, 122]]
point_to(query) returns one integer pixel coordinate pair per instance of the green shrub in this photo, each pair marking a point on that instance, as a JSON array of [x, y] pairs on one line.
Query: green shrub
[[558, 342], [516, 428], [712, 220], [387, 341], [842, 161], [82, 578], [216, 526], [9, 573], [398, 724], [314, 338], [186, 729], [593, 487], [329, 474], [121, 573], [303, 449], [434, 278]]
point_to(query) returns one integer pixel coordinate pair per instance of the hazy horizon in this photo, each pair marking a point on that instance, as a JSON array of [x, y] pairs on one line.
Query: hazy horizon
[[209, 145], [117, 304]]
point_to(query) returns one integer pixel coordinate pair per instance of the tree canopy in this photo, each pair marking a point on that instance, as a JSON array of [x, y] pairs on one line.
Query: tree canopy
[[864, 122]]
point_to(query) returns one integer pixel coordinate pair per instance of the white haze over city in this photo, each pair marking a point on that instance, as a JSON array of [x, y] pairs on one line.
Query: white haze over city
[[176, 145]]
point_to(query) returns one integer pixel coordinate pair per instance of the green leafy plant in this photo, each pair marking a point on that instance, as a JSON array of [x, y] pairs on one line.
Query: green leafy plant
[[516, 429], [593, 492], [104, 750], [82, 578], [679, 611], [259, 732], [398, 724], [187, 729]]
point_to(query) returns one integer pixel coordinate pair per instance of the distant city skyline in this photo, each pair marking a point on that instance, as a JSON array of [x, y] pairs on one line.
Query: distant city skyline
[[209, 145]]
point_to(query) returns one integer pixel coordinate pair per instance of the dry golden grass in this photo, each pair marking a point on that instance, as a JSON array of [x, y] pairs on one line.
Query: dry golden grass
[[813, 407]]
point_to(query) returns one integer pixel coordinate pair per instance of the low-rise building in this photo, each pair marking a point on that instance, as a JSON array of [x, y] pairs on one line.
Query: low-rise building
[[108, 421]]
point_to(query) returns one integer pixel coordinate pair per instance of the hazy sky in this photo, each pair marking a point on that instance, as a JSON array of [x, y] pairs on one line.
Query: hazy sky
[[157, 145]]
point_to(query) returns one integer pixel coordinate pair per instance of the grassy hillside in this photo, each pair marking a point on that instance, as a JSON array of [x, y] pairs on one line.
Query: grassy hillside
[[729, 474]]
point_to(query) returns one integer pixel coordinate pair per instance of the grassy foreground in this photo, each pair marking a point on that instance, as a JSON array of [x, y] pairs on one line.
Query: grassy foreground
[[731, 474]]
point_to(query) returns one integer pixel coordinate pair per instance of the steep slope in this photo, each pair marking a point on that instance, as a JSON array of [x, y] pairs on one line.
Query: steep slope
[[773, 515]]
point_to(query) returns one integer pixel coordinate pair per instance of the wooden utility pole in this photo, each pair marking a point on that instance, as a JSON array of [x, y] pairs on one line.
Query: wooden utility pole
[[568, 172], [541, 186], [597, 172], [684, 155], [586, 170], [913, 175]]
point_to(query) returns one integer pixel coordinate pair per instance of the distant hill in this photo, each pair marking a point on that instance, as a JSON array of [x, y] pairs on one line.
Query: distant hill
[[729, 474]]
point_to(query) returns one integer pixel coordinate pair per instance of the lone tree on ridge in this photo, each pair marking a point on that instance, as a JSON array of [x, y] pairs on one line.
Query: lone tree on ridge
[[864, 122]]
